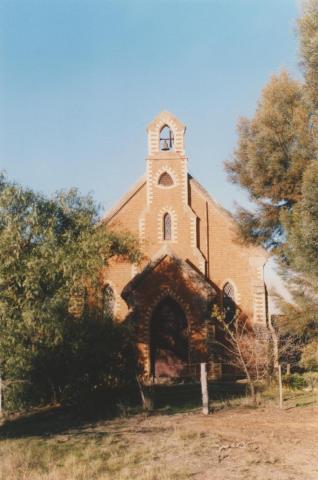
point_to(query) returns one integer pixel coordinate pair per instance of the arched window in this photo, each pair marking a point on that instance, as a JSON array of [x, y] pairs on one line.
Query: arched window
[[165, 180], [229, 305], [167, 226], [108, 302], [166, 138]]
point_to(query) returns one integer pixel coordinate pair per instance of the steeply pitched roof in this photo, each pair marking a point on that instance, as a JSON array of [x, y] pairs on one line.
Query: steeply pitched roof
[[142, 182], [209, 197], [260, 250], [125, 199]]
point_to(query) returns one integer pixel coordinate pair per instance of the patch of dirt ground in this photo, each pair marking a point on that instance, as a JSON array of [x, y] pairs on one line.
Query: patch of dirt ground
[[264, 444], [238, 443]]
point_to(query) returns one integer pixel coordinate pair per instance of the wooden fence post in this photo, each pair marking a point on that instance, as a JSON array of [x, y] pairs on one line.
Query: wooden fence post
[[280, 383], [204, 390], [0, 395], [147, 399]]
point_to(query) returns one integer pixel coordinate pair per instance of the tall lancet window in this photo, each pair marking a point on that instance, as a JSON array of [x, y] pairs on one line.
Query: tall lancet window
[[229, 304], [166, 138], [167, 226]]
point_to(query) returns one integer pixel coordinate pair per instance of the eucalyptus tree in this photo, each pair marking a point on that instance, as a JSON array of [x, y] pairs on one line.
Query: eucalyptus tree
[[49, 249], [275, 161]]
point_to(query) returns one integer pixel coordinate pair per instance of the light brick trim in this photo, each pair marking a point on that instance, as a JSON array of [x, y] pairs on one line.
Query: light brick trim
[[170, 171], [149, 182], [154, 129], [258, 289], [174, 224], [185, 186], [134, 270], [193, 231], [259, 306], [142, 229]]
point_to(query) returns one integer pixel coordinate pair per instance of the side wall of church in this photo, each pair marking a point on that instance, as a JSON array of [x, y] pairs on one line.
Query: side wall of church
[[229, 261]]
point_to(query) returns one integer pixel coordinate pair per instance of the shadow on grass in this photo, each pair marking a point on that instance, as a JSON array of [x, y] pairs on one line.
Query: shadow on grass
[[42, 422], [53, 420]]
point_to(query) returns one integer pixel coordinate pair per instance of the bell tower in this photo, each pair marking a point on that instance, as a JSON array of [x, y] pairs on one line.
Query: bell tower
[[166, 161], [168, 224]]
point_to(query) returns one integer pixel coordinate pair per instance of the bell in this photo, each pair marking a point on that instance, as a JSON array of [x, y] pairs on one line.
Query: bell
[[165, 145]]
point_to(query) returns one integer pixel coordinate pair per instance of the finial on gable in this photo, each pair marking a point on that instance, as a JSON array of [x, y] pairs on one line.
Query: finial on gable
[[166, 135]]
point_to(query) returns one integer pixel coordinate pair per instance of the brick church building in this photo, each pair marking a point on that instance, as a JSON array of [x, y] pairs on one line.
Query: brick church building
[[191, 261]]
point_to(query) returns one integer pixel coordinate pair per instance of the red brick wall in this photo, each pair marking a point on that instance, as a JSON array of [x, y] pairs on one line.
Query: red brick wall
[[218, 254]]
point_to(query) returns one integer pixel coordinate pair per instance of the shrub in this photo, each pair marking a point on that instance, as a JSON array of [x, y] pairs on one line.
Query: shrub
[[295, 381], [309, 357], [311, 379]]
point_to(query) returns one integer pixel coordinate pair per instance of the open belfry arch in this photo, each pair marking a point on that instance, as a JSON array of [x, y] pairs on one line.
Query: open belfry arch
[[192, 260]]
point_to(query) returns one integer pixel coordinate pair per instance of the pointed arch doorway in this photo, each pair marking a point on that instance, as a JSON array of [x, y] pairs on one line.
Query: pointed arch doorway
[[169, 340]]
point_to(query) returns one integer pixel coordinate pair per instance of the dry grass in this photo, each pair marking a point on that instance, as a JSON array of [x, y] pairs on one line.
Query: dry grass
[[232, 443]]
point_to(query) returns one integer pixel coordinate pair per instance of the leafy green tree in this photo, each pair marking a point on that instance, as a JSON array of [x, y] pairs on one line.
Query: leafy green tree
[[276, 163], [308, 37], [49, 249], [309, 359], [274, 149]]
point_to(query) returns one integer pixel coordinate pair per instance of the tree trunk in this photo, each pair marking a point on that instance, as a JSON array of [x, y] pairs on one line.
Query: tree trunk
[[249, 379], [253, 392]]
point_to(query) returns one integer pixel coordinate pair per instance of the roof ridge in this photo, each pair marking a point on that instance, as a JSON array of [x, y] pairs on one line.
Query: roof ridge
[[209, 196], [124, 199]]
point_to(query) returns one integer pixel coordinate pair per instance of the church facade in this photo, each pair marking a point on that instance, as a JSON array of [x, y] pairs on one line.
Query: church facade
[[192, 260]]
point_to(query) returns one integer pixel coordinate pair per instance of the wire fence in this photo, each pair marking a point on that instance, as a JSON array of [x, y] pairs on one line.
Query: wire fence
[[192, 372], [219, 381]]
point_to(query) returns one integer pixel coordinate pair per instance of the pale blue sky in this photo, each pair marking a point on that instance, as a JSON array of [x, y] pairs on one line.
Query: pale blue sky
[[80, 80]]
